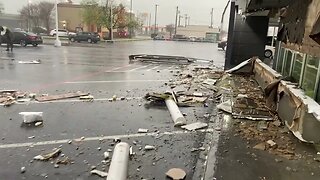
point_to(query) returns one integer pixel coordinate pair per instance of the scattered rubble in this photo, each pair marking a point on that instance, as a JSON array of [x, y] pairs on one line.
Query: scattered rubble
[[225, 106], [30, 62], [23, 170], [106, 155], [140, 130], [195, 126], [87, 98], [149, 147], [31, 117], [38, 123], [45, 157], [61, 96], [176, 174], [99, 173]]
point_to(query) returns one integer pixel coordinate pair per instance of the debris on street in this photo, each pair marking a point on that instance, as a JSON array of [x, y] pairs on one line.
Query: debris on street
[[176, 174], [225, 106], [61, 96], [119, 164], [106, 155], [99, 173], [31, 117], [23, 170], [45, 157], [141, 130], [149, 148], [87, 98], [38, 123], [30, 62], [195, 126]]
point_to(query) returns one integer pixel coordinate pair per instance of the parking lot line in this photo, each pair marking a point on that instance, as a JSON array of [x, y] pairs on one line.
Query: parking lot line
[[100, 138], [139, 68], [154, 68], [116, 81]]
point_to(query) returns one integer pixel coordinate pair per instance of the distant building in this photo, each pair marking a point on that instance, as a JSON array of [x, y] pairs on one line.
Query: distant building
[[11, 21], [196, 31], [69, 16]]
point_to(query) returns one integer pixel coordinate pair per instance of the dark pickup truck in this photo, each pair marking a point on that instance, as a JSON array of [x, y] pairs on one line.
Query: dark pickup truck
[[90, 37]]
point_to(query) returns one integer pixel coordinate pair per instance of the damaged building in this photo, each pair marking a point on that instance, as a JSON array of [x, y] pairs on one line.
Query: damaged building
[[292, 85]]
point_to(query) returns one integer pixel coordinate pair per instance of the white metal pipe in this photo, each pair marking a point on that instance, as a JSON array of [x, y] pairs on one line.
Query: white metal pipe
[[57, 42], [119, 165], [175, 113]]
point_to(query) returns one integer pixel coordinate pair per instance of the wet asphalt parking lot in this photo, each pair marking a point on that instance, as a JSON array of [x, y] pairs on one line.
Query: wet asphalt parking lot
[[103, 72]]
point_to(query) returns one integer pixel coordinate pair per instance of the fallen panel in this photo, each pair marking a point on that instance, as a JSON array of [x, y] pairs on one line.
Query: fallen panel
[[62, 96], [195, 126]]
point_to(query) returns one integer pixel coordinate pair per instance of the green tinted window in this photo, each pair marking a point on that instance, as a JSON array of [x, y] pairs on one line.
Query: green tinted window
[[280, 60], [297, 67], [310, 75], [287, 64]]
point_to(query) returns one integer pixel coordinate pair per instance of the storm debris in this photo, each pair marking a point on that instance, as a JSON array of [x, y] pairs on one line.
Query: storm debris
[[99, 173], [260, 146], [106, 155], [87, 98], [225, 106], [61, 96], [140, 130], [149, 147], [45, 157], [195, 126], [31, 117], [23, 170], [176, 174], [30, 62]]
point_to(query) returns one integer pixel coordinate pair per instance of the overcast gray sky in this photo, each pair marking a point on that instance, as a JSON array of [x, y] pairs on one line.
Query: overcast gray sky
[[199, 11]]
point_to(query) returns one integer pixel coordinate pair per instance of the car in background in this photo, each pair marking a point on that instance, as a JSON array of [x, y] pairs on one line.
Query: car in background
[[270, 47], [178, 37], [90, 37], [159, 37], [24, 38], [61, 32]]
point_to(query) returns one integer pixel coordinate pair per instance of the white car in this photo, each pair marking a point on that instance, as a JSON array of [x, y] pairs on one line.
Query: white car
[[61, 32], [269, 52]]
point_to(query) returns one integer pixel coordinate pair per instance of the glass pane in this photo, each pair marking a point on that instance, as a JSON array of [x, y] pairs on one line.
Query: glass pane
[[280, 60], [310, 75], [287, 64], [297, 66]]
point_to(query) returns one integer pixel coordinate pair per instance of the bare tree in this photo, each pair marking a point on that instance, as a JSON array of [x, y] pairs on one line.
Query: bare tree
[[1, 8], [46, 9]]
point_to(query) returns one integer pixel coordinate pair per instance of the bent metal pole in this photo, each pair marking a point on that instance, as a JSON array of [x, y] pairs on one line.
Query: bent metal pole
[[119, 165], [175, 113]]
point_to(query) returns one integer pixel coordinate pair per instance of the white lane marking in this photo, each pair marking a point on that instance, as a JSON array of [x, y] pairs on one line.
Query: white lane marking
[[139, 68], [153, 68], [118, 81], [75, 100], [99, 138]]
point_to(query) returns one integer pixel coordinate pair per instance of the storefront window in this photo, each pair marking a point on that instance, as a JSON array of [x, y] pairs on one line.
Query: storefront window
[[287, 64], [310, 75], [297, 67], [280, 60]]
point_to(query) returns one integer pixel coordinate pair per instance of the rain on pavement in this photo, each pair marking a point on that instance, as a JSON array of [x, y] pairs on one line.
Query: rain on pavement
[[103, 72]]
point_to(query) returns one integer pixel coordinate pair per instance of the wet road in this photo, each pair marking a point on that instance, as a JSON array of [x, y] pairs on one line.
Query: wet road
[[103, 72]]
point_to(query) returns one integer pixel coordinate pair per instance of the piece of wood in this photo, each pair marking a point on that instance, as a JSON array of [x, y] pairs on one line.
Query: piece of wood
[[61, 96]]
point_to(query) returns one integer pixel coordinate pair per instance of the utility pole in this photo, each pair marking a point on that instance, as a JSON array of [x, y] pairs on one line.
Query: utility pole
[[149, 25], [176, 22], [155, 19], [57, 42], [28, 19], [185, 20], [189, 21], [211, 25]]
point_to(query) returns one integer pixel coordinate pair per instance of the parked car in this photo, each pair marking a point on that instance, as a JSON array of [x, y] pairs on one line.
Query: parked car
[[61, 32], [222, 44], [90, 37], [178, 37], [24, 38], [270, 48], [159, 37]]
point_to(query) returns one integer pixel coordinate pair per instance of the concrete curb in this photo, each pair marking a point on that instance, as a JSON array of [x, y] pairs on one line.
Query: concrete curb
[[176, 115], [119, 165]]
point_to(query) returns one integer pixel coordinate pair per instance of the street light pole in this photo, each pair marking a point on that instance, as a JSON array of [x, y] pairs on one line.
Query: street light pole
[[211, 24], [28, 21], [176, 24], [57, 43], [155, 19]]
